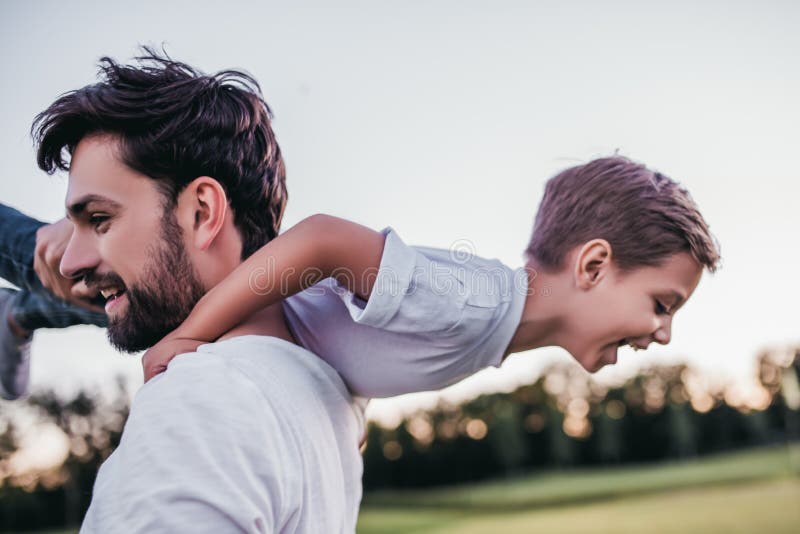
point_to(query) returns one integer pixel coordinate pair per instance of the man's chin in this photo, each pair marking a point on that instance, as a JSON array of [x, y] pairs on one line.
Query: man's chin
[[128, 339]]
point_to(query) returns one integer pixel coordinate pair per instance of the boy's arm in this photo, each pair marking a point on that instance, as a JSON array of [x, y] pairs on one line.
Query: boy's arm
[[318, 247], [434, 317]]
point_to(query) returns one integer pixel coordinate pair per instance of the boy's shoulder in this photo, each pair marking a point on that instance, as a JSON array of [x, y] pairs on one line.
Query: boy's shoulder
[[435, 320]]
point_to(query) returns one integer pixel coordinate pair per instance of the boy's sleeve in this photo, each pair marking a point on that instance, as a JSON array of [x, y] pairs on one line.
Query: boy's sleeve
[[433, 317], [412, 293]]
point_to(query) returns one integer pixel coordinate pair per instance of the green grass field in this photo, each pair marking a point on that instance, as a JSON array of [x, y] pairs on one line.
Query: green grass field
[[744, 492], [752, 491], [770, 506]]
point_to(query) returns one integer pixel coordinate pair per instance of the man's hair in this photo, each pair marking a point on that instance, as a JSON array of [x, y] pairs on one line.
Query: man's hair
[[173, 124], [645, 216]]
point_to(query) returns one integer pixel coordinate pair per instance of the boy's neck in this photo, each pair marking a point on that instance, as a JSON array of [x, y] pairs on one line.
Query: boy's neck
[[542, 316]]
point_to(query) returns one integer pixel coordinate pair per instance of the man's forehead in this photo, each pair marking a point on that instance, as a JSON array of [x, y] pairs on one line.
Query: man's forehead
[[91, 192], [97, 175], [76, 207]]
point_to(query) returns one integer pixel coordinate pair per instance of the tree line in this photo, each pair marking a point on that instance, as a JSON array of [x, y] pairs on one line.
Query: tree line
[[564, 419]]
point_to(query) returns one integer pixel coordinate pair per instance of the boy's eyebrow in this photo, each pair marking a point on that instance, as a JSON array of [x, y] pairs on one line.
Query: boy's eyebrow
[[77, 208], [677, 299]]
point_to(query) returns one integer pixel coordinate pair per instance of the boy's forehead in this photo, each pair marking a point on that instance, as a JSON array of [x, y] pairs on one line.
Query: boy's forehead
[[677, 276]]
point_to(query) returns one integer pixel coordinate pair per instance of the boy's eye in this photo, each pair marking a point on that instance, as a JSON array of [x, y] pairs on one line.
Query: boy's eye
[[660, 308]]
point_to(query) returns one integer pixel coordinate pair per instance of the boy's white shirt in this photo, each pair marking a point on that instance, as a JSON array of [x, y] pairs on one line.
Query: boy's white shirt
[[254, 434], [433, 318]]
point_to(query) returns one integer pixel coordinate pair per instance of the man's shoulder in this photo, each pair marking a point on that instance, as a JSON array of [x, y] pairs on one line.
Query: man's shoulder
[[203, 439], [218, 378], [198, 386], [214, 438], [251, 373]]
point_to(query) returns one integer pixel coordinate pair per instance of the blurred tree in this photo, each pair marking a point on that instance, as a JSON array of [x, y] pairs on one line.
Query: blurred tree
[[562, 451], [506, 436], [609, 428], [60, 497]]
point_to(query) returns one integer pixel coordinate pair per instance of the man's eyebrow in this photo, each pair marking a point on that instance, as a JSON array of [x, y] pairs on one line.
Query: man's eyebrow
[[77, 208]]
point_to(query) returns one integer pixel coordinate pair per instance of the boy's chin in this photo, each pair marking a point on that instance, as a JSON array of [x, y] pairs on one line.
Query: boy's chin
[[594, 362], [590, 365]]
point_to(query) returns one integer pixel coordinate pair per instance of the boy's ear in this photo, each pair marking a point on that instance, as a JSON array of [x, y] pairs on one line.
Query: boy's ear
[[592, 263], [203, 205]]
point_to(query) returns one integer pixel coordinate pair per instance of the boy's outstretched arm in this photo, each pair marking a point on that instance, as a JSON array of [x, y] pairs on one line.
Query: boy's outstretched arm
[[318, 247]]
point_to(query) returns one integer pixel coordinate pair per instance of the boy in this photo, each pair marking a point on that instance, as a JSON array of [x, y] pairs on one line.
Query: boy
[[616, 250], [32, 306]]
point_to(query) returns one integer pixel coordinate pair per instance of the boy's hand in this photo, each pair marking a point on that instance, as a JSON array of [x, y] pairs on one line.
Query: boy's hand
[[155, 360], [51, 241]]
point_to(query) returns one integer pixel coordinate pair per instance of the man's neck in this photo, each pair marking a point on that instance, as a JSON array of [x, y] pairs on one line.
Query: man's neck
[[267, 322]]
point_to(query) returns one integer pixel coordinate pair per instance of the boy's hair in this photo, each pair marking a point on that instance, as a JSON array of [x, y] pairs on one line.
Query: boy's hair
[[644, 215], [174, 124]]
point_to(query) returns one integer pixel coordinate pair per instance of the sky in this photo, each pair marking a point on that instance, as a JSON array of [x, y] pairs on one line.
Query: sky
[[444, 119]]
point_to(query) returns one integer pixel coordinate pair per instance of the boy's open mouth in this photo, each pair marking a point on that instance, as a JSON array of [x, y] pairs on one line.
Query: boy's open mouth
[[623, 342]]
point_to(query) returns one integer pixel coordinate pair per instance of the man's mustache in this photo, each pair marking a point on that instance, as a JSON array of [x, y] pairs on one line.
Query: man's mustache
[[95, 281]]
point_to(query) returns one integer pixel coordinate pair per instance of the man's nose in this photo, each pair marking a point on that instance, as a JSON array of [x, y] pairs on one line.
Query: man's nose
[[79, 257], [664, 332]]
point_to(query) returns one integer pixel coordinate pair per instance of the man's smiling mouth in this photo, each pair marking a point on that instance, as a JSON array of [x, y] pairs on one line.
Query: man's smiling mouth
[[112, 296], [112, 292]]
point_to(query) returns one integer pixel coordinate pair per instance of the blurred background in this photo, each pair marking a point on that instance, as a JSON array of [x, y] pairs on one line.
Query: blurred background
[[444, 120]]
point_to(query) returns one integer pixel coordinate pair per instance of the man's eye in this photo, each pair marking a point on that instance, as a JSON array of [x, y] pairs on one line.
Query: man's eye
[[97, 221]]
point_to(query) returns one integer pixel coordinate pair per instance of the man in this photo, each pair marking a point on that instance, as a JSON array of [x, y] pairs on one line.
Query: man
[[426, 338], [175, 177]]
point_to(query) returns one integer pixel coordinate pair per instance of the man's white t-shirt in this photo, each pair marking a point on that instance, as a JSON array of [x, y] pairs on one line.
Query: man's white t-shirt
[[250, 434], [254, 434]]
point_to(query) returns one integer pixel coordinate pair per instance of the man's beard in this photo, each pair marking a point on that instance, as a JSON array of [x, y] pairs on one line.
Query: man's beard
[[166, 293]]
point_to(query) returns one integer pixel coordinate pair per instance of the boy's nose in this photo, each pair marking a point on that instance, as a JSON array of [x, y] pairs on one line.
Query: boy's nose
[[664, 332], [79, 257]]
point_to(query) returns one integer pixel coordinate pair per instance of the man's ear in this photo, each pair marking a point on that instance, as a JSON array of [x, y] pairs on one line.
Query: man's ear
[[592, 263], [205, 206]]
